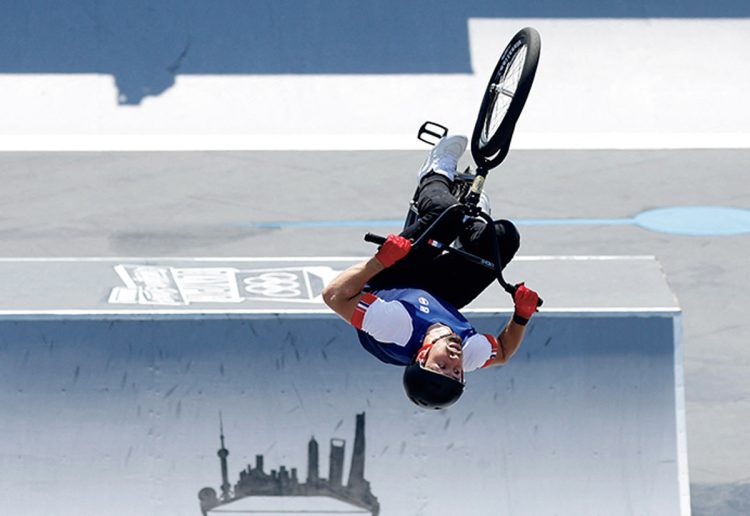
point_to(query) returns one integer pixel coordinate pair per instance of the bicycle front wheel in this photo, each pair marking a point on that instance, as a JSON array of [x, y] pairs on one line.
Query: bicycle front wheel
[[506, 94]]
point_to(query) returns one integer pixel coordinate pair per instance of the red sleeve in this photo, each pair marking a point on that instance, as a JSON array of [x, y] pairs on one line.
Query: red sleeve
[[493, 353], [359, 313]]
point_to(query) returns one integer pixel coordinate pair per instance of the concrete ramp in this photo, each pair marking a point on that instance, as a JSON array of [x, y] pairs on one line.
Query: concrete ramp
[[190, 386]]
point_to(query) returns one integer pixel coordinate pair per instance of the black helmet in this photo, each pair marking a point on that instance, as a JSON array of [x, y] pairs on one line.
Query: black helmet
[[430, 389]]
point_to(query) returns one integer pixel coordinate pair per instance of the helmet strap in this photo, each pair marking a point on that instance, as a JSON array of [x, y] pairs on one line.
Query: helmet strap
[[422, 353]]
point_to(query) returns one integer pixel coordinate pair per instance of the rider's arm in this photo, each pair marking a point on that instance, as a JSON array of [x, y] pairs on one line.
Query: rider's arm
[[343, 293], [508, 342], [510, 338]]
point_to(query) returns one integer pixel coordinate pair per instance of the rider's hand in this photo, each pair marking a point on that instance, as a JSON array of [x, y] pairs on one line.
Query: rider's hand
[[394, 248], [526, 301]]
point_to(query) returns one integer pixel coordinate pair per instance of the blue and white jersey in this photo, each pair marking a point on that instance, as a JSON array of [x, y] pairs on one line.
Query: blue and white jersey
[[391, 325]]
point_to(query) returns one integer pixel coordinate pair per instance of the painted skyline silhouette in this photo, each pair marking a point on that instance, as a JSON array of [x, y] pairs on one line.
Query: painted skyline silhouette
[[254, 481]]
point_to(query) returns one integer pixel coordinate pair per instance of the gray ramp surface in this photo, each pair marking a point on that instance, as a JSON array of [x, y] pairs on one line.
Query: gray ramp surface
[[214, 203]]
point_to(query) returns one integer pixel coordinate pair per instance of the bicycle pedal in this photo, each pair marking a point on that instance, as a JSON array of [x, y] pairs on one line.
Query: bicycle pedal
[[433, 130]]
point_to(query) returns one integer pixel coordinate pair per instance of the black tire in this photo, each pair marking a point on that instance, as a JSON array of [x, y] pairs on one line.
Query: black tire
[[502, 106]]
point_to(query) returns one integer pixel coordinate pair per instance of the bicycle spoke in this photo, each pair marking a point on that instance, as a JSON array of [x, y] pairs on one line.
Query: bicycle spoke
[[503, 93]]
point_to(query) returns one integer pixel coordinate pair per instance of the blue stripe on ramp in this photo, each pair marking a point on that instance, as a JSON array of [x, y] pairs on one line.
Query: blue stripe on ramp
[[679, 220]]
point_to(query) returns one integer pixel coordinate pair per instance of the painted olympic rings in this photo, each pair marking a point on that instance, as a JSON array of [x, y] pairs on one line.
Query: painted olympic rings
[[273, 284]]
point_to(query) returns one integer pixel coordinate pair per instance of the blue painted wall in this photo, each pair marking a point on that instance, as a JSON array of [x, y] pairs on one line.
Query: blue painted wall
[[145, 44], [122, 416]]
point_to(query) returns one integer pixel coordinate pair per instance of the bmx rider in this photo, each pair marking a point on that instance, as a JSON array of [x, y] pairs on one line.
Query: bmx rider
[[405, 302]]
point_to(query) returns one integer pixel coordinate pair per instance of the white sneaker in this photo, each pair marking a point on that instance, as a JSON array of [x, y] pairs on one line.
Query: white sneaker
[[443, 158]]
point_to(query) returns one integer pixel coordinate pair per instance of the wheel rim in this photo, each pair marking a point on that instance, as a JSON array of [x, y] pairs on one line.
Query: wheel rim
[[504, 91]]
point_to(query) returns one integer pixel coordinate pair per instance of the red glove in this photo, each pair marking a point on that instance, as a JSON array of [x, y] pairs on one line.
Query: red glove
[[526, 301], [394, 248]]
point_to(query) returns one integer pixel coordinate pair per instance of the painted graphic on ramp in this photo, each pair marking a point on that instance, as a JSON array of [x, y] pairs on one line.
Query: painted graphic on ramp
[[182, 286]]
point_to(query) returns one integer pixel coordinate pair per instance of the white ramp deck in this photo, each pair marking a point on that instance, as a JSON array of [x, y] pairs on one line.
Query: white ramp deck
[[162, 286]]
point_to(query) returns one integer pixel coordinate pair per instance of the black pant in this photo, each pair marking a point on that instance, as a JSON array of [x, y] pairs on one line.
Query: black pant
[[448, 276]]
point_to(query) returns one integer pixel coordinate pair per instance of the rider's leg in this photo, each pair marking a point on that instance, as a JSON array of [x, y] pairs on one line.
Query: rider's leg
[[434, 192], [475, 239], [433, 197], [458, 281], [449, 276]]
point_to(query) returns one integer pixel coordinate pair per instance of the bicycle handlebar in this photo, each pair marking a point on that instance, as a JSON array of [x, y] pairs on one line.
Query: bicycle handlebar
[[510, 289], [375, 239]]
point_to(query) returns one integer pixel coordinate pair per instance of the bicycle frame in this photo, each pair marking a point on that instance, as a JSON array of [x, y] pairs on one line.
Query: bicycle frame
[[469, 206], [488, 149]]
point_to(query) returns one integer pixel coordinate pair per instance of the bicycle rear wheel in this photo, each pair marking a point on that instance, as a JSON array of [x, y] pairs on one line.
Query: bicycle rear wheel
[[505, 97]]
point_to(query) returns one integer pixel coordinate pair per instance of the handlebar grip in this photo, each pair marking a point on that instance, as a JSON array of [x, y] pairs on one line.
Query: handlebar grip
[[375, 239], [511, 289]]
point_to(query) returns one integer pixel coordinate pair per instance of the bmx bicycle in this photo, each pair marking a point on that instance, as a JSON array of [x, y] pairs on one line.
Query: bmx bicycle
[[502, 103]]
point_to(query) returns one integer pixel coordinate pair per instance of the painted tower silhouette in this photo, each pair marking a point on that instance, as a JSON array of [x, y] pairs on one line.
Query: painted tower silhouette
[[336, 463], [223, 453], [357, 470], [313, 473]]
